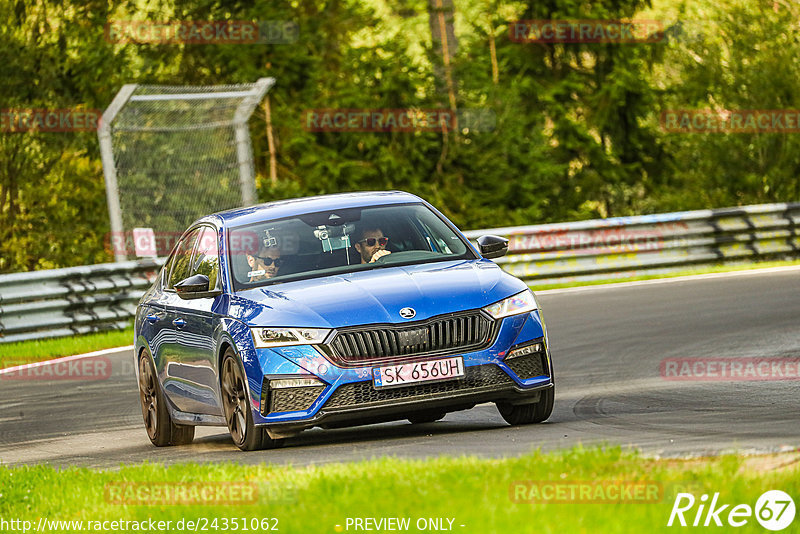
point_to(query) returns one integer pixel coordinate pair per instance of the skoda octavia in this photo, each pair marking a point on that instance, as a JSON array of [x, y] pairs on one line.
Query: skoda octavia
[[334, 311]]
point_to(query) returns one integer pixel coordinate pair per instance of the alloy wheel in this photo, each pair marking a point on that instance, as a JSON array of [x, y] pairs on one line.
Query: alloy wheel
[[235, 400], [148, 396]]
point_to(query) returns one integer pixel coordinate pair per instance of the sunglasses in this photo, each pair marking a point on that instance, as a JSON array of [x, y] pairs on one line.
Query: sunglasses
[[370, 241], [269, 261]]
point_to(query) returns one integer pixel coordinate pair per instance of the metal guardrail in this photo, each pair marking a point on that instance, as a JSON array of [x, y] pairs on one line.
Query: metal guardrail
[[77, 300], [624, 247]]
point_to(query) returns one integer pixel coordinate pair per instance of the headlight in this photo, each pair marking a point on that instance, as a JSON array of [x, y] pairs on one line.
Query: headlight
[[282, 337], [520, 303]]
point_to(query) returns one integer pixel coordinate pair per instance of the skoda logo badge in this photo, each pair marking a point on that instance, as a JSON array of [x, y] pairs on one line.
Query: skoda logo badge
[[407, 313]]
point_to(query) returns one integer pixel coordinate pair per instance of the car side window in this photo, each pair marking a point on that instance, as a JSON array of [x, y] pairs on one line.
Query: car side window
[[206, 257], [181, 262]]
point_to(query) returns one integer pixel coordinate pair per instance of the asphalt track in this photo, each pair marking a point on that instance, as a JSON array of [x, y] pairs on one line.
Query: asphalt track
[[608, 344]]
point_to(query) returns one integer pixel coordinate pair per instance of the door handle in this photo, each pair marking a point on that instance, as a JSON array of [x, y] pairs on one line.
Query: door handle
[[152, 319], [180, 323]]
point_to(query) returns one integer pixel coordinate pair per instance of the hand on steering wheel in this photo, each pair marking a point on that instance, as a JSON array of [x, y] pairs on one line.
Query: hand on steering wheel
[[378, 255]]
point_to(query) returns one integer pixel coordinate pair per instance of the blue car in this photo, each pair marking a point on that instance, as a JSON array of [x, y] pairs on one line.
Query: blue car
[[334, 311]]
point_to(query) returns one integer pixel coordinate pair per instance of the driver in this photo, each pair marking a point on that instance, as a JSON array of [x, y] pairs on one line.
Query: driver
[[372, 245], [264, 264]]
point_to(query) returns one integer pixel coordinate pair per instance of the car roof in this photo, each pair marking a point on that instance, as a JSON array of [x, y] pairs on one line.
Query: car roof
[[298, 206]]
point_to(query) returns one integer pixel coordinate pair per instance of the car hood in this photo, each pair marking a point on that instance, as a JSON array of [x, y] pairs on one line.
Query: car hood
[[376, 296]]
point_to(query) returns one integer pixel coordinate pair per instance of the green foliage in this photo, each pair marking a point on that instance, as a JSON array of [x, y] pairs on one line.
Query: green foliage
[[738, 55], [576, 125]]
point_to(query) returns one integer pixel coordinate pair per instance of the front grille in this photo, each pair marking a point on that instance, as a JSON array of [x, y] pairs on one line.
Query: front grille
[[362, 394], [527, 366], [442, 335], [291, 399]]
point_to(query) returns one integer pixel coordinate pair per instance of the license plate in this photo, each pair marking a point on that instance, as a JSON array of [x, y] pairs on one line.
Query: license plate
[[413, 373]]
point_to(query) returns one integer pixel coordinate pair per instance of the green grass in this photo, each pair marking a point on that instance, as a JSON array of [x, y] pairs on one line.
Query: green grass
[[475, 492], [687, 272], [45, 349]]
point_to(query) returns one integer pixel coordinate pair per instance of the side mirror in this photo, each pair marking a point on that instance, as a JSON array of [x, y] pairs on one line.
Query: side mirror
[[492, 246], [195, 287]]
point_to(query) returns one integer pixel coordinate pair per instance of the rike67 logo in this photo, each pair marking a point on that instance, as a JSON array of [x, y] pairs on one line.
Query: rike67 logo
[[774, 510]]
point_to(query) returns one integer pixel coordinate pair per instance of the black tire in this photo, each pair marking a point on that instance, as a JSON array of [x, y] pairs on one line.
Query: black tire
[[426, 417], [236, 406], [157, 422], [525, 414]]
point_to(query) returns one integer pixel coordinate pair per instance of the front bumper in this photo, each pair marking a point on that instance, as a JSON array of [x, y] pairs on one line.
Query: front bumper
[[402, 409], [347, 395]]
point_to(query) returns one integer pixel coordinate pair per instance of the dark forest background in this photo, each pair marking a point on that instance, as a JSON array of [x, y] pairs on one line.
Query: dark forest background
[[577, 131]]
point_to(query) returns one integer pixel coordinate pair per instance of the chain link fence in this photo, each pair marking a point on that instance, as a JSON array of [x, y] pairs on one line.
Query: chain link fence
[[172, 154]]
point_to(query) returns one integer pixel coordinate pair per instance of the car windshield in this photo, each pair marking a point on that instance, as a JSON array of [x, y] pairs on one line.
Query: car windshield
[[340, 241]]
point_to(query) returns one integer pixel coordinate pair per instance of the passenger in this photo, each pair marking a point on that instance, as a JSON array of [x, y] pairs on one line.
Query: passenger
[[371, 245], [265, 264]]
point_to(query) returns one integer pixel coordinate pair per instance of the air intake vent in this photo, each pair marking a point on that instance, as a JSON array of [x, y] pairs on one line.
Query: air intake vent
[[439, 335], [362, 394]]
